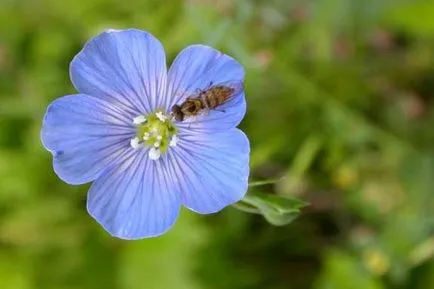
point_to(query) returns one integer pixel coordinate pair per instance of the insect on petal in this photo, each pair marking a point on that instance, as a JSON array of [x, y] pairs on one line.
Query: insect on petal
[[198, 68]]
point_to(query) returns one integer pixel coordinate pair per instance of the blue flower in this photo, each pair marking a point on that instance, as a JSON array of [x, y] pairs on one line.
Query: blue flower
[[118, 132]]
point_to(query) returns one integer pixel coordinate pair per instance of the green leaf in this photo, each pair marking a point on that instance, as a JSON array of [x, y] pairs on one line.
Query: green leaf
[[245, 207], [277, 210], [264, 182]]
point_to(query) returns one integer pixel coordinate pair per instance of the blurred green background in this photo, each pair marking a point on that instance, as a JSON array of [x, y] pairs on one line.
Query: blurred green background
[[340, 103]]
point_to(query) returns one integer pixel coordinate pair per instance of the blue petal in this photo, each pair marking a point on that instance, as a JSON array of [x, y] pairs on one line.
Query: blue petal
[[85, 134], [136, 198], [196, 68], [212, 169], [126, 65]]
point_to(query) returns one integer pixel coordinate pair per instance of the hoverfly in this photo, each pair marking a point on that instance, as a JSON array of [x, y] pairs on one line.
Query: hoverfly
[[206, 99]]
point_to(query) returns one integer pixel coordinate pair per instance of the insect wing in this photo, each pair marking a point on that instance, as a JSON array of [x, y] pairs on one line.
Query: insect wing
[[237, 86]]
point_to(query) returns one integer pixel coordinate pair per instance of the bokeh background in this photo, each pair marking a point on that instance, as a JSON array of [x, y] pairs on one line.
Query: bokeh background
[[340, 103]]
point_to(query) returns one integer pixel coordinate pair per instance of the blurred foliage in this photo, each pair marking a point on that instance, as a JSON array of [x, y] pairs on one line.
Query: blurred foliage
[[340, 104]]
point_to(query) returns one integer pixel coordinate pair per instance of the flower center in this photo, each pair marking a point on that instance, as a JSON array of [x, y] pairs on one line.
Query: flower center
[[155, 131]]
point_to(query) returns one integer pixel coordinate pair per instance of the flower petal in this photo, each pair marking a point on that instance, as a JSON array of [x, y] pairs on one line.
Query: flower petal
[[196, 68], [85, 134], [136, 198], [126, 65], [212, 169]]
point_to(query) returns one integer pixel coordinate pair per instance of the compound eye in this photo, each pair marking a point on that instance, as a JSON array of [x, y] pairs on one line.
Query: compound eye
[[175, 108]]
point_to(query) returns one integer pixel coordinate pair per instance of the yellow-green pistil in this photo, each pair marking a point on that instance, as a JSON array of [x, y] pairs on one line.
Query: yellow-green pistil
[[155, 131]]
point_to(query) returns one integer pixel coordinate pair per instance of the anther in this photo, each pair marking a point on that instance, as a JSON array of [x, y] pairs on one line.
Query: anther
[[154, 154], [173, 141], [139, 119], [135, 143], [161, 116]]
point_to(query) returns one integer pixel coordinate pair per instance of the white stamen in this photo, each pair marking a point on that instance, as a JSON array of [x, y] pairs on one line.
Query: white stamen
[[139, 119], [173, 141], [154, 129], [135, 143], [161, 116], [157, 144], [154, 154], [159, 137]]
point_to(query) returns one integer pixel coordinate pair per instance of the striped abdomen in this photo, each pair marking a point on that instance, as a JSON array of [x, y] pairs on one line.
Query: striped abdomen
[[215, 96]]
